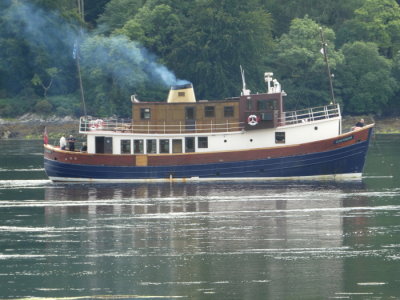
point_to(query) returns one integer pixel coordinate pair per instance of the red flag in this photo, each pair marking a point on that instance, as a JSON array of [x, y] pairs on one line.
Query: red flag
[[45, 136]]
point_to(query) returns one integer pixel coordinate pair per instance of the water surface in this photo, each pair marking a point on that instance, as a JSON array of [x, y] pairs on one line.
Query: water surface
[[252, 240]]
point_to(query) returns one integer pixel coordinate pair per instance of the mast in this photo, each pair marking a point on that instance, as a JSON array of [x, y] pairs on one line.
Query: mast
[[328, 70], [81, 12]]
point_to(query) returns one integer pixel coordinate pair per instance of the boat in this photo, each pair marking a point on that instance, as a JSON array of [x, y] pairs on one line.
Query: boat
[[248, 137]]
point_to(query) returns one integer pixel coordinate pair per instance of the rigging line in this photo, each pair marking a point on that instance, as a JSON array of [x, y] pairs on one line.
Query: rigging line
[[324, 52], [81, 84]]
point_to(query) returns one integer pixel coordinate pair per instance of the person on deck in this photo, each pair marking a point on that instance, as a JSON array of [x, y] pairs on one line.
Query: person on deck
[[63, 143], [360, 123], [71, 143]]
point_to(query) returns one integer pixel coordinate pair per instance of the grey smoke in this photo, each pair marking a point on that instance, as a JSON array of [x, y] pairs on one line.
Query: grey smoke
[[126, 61]]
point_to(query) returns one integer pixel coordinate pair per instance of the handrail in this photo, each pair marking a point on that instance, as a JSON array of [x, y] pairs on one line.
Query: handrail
[[290, 118], [309, 115], [89, 124]]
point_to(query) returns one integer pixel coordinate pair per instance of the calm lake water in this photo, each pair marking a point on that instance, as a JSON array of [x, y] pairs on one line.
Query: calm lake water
[[253, 240]]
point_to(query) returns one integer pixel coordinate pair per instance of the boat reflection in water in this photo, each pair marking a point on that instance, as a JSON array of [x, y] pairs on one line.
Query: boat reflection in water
[[205, 234]]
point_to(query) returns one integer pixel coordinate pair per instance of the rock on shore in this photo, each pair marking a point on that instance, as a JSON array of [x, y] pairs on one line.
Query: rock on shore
[[31, 126]]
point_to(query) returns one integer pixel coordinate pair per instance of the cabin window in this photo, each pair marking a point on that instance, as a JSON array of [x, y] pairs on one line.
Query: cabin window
[[267, 116], [164, 146], [262, 105], [249, 104], [145, 113], [209, 111], [228, 111], [280, 137], [125, 146], [202, 142], [272, 104], [189, 144], [151, 146], [138, 146], [181, 94], [177, 146]]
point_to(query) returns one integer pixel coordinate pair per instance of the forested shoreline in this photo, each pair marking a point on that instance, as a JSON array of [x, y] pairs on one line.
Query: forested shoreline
[[125, 47]]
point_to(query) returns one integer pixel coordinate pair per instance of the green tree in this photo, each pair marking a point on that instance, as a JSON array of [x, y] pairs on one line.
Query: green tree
[[331, 13], [204, 42], [15, 71], [113, 68], [155, 27], [375, 21], [32, 40], [117, 13], [300, 66], [50, 74], [393, 107], [220, 36], [15, 55], [93, 10], [43, 107], [367, 83]]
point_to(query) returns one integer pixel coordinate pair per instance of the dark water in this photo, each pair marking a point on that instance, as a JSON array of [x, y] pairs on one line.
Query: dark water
[[288, 240]]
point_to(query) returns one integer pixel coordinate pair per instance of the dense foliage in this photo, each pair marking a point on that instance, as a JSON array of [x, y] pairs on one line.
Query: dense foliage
[[125, 47]]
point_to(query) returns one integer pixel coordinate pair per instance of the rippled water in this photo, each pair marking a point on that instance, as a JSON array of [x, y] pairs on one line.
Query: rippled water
[[253, 240]]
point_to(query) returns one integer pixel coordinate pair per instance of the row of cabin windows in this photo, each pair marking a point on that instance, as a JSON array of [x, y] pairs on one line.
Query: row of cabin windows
[[261, 104], [209, 112], [149, 146], [104, 144]]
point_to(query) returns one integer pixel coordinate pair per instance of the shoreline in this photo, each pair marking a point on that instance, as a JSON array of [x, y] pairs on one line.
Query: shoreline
[[33, 128]]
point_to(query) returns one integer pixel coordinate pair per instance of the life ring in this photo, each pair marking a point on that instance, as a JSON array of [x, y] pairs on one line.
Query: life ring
[[252, 120], [96, 124], [100, 123]]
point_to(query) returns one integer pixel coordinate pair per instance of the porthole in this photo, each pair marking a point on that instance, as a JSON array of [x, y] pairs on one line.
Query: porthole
[[316, 128]]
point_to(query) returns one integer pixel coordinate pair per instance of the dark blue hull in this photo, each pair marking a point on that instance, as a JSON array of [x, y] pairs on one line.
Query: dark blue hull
[[347, 160]]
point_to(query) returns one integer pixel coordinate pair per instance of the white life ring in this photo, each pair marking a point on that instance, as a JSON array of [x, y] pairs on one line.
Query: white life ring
[[96, 124], [252, 120]]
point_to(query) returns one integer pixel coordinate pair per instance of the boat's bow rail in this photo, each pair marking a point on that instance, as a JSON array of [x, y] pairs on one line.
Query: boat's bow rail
[[309, 115], [90, 124]]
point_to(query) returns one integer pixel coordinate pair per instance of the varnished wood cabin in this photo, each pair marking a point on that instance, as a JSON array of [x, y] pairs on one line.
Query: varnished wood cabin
[[181, 113]]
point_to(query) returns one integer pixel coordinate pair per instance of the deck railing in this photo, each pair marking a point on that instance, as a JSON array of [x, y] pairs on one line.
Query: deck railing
[[90, 124], [309, 115], [126, 126]]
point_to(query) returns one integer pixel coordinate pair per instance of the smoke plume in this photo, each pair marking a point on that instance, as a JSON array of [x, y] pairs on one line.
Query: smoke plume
[[126, 61]]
